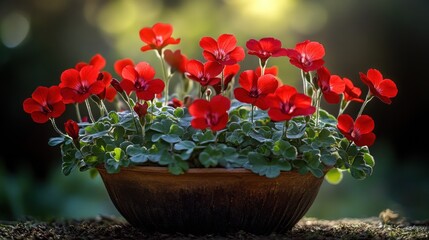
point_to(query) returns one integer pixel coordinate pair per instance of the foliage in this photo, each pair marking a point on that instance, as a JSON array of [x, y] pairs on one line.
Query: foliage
[[268, 128]]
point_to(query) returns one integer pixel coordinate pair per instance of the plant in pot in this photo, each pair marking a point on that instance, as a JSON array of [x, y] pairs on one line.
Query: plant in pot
[[216, 155]]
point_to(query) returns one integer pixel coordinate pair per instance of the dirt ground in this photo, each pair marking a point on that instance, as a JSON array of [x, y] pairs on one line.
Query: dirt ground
[[307, 228]]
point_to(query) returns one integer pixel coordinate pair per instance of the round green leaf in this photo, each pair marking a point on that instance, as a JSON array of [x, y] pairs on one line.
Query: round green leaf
[[334, 176]]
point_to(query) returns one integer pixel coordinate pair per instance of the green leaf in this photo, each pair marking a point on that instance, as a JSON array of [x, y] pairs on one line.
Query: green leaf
[[329, 158], [236, 137], [163, 126], [247, 127], [171, 138], [202, 138], [369, 159], [178, 112], [114, 117], [334, 176], [55, 141], [295, 130], [137, 154], [111, 165], [316, 172], [207, 160], [263, 166], [312, 158], [118, 133], [117, 154], [285, 149], [177, 130], [178, 167], [184, 145], [156, 137]]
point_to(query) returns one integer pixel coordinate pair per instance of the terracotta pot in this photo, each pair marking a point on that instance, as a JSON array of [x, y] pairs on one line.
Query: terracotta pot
[[212, 200]]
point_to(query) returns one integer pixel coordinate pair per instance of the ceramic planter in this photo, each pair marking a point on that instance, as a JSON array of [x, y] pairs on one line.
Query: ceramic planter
[[212, 200]]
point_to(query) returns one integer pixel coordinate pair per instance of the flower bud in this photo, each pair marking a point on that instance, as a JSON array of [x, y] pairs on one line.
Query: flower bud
[[115, 83]]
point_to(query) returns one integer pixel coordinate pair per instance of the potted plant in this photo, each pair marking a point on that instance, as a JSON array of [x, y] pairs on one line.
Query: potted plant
[[214, 156]]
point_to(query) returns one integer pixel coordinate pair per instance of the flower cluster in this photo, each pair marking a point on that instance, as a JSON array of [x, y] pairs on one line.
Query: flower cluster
[[261, 123]]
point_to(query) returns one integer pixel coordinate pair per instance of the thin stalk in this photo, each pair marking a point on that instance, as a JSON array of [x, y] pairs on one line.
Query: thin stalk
[[103, 108], [251, 113], [367, 99], [285, 127], [318, 100], [126, 99], [54, 125], [166, 78], [263, 65], [304, 82], [222, 83], [88, 106], [79, 118]]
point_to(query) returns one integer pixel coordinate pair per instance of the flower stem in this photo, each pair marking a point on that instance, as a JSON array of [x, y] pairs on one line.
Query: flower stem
[[166, 78], [56, 128], [251, 113], [304, 82], [367, 99], [79, 118], [285, 127], [318, 100], [222, 83], [88, 106]]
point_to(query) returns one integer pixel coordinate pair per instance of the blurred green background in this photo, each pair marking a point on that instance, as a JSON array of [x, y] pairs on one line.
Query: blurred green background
[[41, 38]]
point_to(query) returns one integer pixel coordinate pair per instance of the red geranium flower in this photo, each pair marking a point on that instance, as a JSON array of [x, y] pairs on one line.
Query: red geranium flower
[[141, 109], [109, 91], [229, 73], [224, 51], [157, 37], [360, 132], [176, 60], [139, 78], [211, 114], [121, 64], [76, 86], [45, 103], [307, 55], [96, 61], [206, 74], [72, 129], [287, 103], [265, 48], [175, 103], [384, 89], [331, 86], [351, 93], [254, 89]]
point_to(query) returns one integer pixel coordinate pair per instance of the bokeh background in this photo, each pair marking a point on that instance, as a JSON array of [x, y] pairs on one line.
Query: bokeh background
[[41, 38]]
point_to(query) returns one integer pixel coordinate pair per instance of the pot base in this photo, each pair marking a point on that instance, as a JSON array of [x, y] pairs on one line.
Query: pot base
[[212, 200]]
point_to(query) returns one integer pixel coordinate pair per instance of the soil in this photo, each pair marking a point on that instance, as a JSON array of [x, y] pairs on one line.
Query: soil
[[308, 228]]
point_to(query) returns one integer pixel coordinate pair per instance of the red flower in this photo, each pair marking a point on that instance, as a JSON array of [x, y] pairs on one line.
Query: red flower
[[265, 48], [307, 55], [269, 70], [351, 93], [97, 61], [206, 74], [360, 132], [211, 114], [176, 60], [175, 103], [229, 73], [76, 86], [287, 103], [140, 79], [254, 89], [72, 129], [384, 89], [157, 37], [331, 86], [109, 92], [121, 64], [45, 103], [141, 109], [224, 51]]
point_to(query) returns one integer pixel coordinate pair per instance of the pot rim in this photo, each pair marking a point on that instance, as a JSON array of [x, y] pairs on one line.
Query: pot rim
[[196, 171]]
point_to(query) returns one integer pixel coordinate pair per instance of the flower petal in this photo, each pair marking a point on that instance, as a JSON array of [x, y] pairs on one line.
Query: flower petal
[[221, 124], [40, 95], [98, 61], [314, 50], [277, 115], [220, 104], [227, 42], [388, 88], [39, 117], [156, 86], [30, 105], [365, 140], [345, 123], [145, 70], [267, 84], [246, 79], [208, 44], [162, 29], [120, 64], [199, 123], [364, 124], [243, 96], [70, 79], [147, 35], [285, 92], [199, 108]]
